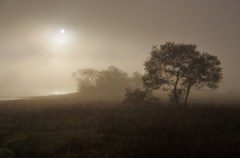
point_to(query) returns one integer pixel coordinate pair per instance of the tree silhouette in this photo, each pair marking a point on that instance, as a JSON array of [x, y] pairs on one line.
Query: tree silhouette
[[178, 68]]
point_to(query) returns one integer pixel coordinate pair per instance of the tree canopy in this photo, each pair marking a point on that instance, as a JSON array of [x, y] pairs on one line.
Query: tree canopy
[[180, 67]]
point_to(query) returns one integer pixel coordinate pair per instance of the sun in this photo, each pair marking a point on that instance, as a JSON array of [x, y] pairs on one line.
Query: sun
[[60, 39], [62, 31]]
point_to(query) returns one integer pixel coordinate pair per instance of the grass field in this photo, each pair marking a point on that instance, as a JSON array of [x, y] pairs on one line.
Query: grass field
[[104, 130]]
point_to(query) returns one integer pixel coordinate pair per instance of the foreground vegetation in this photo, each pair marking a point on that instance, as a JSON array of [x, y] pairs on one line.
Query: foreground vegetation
[[34, 130]]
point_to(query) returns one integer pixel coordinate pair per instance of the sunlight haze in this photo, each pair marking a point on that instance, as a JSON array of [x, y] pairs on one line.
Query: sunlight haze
[[43, 42]]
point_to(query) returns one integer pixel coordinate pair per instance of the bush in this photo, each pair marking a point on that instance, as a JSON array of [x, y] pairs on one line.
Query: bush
[[138, 96]]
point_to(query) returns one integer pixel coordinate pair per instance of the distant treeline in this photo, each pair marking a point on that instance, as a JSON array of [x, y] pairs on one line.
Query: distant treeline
[[109, 84]]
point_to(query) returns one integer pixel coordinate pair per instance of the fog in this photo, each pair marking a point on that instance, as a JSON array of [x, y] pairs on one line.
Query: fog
[[37, 59]]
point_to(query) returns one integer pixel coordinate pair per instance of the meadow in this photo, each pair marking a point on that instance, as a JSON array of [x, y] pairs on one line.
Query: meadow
[[34, 129]]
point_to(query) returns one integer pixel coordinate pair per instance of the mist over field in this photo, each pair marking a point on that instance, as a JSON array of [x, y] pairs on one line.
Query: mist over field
[[37, 59]]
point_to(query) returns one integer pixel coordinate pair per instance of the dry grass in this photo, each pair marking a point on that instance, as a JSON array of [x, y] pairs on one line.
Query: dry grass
[[63, 130]]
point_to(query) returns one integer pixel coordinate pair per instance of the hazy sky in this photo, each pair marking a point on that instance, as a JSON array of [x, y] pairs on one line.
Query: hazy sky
[[37, 59]]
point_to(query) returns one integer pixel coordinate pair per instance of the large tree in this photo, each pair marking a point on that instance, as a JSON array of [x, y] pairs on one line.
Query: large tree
[[178, 68]]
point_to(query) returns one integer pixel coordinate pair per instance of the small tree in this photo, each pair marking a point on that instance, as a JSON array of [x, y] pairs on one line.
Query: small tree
[[178, 68], [86, 79]]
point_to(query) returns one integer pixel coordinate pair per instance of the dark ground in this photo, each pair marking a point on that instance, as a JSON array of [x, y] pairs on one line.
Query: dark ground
[[101, 130]]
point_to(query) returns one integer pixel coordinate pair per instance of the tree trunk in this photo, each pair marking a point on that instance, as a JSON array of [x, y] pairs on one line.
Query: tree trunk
[[175, 95], [186, 98]]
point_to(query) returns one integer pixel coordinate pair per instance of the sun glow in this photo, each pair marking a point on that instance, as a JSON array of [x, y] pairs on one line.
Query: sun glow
[[62, 31], [61, 37], [60, 40], [57, 93]]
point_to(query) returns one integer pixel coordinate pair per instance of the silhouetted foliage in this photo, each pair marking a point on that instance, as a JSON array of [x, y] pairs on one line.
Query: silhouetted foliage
[[179, 67]]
